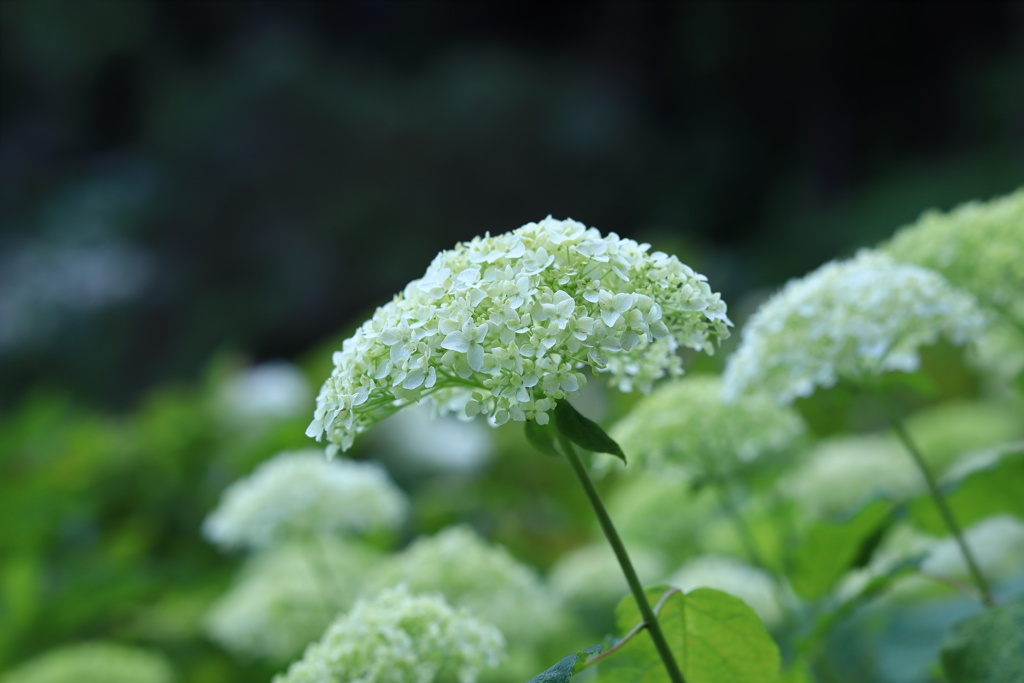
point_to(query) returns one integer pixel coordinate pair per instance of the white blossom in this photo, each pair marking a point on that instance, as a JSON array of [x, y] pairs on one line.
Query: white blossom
[[302, 493], [285, 597], [683, 427], [400, 637], [848, 320], [751, 585], [511, 320]]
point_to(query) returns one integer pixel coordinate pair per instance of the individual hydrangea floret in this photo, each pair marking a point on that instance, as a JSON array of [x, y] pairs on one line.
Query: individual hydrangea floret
[[978, 246], [480, 576], [302, 493], [848, 320], [93, 661], [683, 427], [511, 320], [286, 596], [400, 637], [751, 585]]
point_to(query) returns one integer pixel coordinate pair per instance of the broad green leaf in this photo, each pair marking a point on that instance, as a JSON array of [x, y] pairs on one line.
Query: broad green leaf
[[584, 432], [876, 586], [830, 549], [541, 437], [987, 647], [991, 490], [714, 637], [564, 669]]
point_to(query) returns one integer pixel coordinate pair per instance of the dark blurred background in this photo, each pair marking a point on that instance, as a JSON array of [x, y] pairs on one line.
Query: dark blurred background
[[179, 179]]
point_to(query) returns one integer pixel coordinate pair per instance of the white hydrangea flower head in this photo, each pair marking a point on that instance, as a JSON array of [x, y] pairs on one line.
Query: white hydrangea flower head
[[275, 390], [997, 544], [512, 319], [286, 596], [590, 576], [978, 246], [302, 493], [848, 320], [751, 585], [400, 637], [480, 576], [684, 428], [842, 472], [93, 661]]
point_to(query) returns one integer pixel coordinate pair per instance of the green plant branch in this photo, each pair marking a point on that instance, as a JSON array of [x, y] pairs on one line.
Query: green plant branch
[[619, 548], [629, 636], [944, 510]]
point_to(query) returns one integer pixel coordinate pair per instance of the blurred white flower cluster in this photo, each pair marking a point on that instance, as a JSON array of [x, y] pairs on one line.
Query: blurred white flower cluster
[[752, 585], [978, 246], [848, 320], [400, 637], [301, 493], [512, 319], [275, 390], [481, 577], [683, 427], [286, 596], [108, 662]]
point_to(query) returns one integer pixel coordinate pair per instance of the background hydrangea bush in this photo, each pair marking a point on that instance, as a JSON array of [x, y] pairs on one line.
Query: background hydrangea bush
[[489, 567]]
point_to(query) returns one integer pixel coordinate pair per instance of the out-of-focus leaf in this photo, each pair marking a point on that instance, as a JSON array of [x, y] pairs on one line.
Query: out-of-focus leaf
[[830, 549], [987, 647]]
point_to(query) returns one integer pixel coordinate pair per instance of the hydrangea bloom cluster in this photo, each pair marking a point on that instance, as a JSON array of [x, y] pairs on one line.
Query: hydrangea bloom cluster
[[978, 246], [301, 493], [482, 577], [848, 320], [93, 661], [400, 637], [504, 324], [842, 472], [683, 427], [285, 597], [590, 576], [998, 546]]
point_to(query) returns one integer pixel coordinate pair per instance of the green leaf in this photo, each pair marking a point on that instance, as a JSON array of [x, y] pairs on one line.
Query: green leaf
[[988, 647], [990, 490], [714, 637], [584, 432], [564, 669], [541, 437], [830, 549]]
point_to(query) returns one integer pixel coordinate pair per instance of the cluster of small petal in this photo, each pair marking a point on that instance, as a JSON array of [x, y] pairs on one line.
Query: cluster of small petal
[[684, 427], [93, 661], [978, 246], [751, 585], [479, 576], [400, 637], [285, 597], [302, 493], [848, 320], [843, 472], [512, 320]]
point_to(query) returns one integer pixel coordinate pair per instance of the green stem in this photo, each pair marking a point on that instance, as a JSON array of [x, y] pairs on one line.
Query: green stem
[[944, 510], [619, 548]]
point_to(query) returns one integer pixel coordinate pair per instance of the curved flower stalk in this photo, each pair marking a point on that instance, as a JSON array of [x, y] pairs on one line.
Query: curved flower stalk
[[302, 494], [400, 637], [93, 661], [683, 428], [479, 576], [978, 246], [501, 326], [849, 320], [286, 596]]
